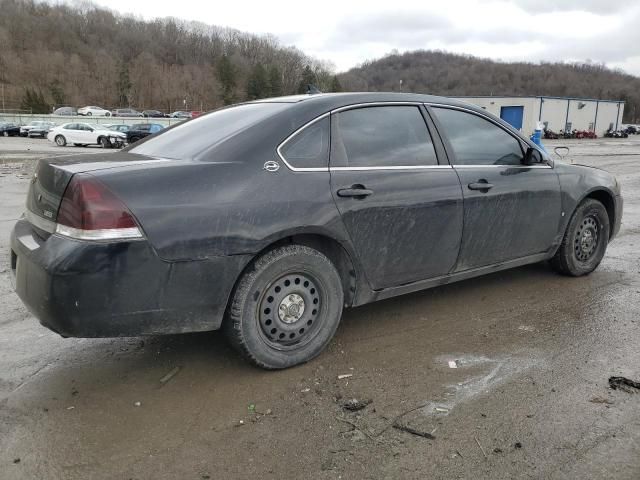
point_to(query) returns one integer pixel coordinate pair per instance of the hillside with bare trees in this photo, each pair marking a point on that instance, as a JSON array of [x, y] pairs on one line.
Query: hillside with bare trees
[[441, 73], [56, 54]]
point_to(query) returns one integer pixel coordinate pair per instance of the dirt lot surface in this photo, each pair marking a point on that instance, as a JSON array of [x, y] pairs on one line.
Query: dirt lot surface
[[529, 397]]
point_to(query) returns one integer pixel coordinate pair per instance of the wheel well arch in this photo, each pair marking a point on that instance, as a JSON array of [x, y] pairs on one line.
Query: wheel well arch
[[330, 247], [606, 199]]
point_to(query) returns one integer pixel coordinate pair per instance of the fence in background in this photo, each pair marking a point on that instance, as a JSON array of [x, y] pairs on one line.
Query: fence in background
[[24, 119]]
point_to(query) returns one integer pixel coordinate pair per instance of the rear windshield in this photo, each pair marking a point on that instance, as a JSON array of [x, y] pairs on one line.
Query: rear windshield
[[194, 137]]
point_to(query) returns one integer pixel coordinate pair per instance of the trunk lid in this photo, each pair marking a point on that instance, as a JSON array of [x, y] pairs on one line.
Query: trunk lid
[[52, 176]]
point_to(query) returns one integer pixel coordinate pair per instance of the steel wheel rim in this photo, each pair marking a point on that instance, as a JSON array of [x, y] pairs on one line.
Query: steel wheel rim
[[587, 238], [289, 310]]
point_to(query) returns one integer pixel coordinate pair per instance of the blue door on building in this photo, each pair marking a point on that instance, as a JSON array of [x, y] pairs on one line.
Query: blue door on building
[[513, 116]]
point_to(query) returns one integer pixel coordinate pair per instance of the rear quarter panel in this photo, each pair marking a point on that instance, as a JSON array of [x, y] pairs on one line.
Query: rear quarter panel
[[193, 210]]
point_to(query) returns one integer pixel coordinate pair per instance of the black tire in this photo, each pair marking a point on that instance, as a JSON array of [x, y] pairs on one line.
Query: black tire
[[60, 141], [585, 241], [104, 141], [285, 308], [89, 114], [134, 139]]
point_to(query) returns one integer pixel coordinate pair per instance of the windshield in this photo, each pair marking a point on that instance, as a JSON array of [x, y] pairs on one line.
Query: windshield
[[192, 138]]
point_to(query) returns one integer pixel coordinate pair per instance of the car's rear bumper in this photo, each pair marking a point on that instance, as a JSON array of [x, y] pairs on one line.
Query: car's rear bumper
[[91, 289]]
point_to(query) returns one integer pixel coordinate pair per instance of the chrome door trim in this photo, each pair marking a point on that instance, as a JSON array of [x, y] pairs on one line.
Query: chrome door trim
[[392, 167]]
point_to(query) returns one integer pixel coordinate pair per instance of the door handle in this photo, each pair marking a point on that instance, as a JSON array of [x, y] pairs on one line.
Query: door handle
[[356, 191], [481, 184]]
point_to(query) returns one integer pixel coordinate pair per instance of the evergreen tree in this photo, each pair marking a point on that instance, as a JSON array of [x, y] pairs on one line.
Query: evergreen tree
[[258, 83], [34, 101], [124, 85], [56, 92], [335, 84], [308, 78], [276, 86], [227, 77]]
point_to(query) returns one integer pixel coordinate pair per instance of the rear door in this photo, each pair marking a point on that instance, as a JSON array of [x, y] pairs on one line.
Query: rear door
[[401, 207], [511, 210]]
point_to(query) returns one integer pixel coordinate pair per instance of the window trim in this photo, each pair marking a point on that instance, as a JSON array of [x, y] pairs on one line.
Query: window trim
[[445, 138], [356, 106], [296, 132]]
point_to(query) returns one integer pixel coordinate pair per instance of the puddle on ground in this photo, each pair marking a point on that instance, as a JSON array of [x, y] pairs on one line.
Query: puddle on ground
[[484, 374]]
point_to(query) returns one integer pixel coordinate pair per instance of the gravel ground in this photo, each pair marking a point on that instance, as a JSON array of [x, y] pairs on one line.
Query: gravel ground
[[529, 397]]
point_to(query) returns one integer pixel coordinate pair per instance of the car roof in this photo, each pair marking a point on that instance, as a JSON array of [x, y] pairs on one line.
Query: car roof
[[349, 98]]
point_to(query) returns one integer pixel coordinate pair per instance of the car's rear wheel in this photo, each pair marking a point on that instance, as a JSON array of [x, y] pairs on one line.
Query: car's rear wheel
[[286, 308], [585, 241], [60, 140], [89, 114]]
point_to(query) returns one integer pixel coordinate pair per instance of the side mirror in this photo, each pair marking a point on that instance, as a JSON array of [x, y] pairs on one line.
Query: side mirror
[[532, 157]]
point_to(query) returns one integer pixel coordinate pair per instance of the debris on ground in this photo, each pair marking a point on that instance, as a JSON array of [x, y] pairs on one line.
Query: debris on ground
[[136, 404], [497, 450], [453, 363], [624, 384], [517, 445], [413, 431], [481, 449], [251, 408], [355, 405], [16, 460], [169, 375], [441, 410], [601, 400], [345, 375], [305, 390]]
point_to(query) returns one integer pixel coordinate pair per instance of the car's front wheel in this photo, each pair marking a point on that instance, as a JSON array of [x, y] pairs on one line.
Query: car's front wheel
[[585, 241], [104, 141], [286, 308], [60, 140]]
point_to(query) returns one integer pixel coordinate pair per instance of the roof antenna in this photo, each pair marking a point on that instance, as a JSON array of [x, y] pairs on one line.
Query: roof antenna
[[312, 89]]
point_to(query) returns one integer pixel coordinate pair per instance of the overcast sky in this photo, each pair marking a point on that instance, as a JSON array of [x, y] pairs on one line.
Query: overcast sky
[[347, 32]]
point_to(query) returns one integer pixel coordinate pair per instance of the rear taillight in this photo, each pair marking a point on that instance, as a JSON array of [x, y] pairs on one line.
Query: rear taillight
[[89, 211]]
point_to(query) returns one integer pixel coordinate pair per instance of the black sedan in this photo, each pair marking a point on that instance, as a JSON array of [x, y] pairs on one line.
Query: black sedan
[[141, 130], [9, 129], [153, 114], [265, 219]]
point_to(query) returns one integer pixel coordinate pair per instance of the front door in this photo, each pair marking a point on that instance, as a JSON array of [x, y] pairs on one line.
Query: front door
[[402, 209], [510, 210]]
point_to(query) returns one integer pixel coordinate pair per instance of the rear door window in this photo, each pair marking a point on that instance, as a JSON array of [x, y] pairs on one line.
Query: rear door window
[[379, 137], [477, 141]]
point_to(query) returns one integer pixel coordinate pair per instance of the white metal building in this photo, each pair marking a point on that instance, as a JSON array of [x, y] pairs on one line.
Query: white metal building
[[557, 113]]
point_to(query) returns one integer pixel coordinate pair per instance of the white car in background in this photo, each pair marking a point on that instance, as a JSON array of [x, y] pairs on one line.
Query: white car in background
[[83, 134], [94, 111]]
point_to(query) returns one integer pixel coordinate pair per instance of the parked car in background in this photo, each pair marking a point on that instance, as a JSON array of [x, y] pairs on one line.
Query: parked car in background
[[141, 130], [83, 134], [180, 114], [196, 113], [126, 112], [8, 129], [94, 112], [118, 127], [41, 130], [65, 111], [153, 114], [266, 218], [35, 124], [631, 130]]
